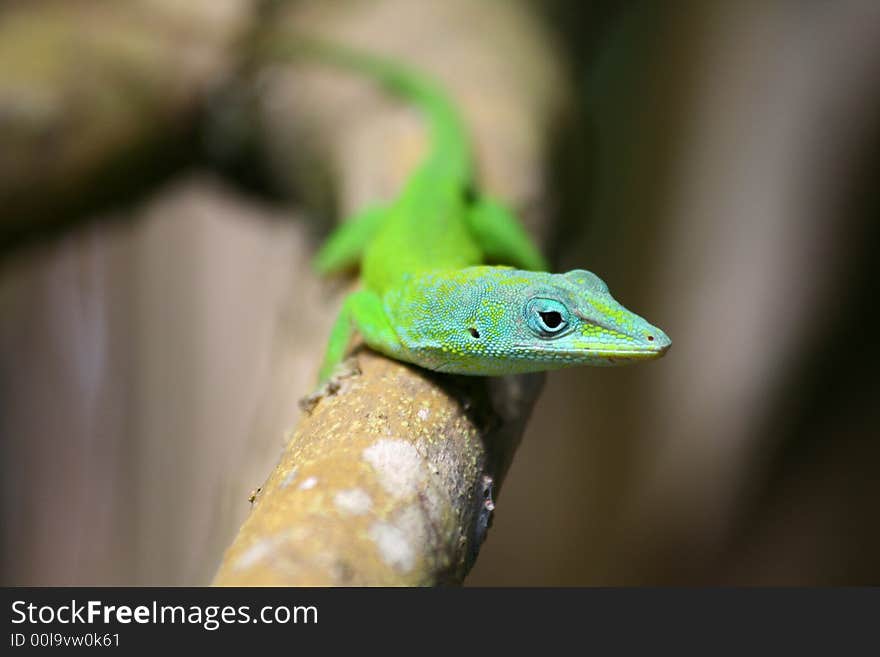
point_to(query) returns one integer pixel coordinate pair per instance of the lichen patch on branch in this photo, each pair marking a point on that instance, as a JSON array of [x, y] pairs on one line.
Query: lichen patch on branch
[[353, 500], [397, 464]]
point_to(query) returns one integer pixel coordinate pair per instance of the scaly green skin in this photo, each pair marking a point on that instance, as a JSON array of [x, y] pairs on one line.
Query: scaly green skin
[[429, 298]]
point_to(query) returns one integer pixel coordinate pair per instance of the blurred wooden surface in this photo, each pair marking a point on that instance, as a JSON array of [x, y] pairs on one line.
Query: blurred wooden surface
[[98, 99]]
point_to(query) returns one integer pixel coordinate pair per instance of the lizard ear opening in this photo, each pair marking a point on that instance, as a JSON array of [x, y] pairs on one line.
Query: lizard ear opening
[[469, 194], [474, 333]]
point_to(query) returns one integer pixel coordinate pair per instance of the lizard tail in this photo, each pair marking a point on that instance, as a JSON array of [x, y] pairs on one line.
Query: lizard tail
[[449, 140]]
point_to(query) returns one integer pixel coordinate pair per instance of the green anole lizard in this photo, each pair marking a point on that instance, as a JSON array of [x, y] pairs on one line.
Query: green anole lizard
[[427, 295]]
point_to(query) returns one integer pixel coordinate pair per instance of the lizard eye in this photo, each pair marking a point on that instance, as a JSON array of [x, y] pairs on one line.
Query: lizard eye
[[551, 318], [547, 317]]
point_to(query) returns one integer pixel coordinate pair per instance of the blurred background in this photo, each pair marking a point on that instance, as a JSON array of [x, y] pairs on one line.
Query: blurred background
[[717, 165]]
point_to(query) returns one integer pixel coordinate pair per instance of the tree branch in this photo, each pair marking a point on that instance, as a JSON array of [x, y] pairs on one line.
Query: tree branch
[[391, 479], [97, 99]]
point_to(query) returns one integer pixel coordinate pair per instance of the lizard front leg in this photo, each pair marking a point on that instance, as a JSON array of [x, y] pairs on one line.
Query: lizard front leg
[[362, 312], [345, 246], [501, 236]]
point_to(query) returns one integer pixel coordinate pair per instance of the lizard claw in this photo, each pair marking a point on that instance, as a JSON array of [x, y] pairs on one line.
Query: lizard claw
[[345, 370]]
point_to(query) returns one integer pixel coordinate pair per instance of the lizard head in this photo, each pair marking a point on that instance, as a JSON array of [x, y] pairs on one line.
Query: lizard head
[[498, 320], [572, 318]]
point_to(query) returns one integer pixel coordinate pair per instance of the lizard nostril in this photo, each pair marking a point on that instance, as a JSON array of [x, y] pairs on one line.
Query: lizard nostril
[[650, 338]]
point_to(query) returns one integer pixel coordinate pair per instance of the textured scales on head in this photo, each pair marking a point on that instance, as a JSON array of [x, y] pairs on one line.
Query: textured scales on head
[[497, 320]]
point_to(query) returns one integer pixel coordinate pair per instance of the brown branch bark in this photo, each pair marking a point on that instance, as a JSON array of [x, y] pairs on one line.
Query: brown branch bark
[[391, 479], [97, 98]]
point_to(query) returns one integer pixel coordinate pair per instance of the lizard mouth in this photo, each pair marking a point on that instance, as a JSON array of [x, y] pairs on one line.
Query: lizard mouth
[[647, 352], [643, 353]]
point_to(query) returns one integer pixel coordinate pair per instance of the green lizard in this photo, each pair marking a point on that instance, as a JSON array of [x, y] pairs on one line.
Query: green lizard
[[428, 297]]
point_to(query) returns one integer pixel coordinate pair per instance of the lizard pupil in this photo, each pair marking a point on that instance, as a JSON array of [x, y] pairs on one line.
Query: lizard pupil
[[551, 319], [474, 333]]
